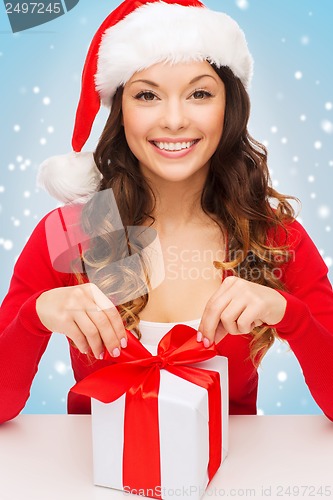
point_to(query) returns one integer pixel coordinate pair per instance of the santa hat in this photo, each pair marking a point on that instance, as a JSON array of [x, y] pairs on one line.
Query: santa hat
[[136, 35]]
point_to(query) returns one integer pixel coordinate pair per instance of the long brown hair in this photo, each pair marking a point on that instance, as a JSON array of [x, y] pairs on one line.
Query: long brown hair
[[237, 192]]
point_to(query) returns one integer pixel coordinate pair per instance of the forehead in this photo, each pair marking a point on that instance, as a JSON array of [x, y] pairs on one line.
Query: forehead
[[183, 72]]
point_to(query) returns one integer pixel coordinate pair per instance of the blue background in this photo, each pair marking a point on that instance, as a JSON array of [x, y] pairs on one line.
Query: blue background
[[292, 100]]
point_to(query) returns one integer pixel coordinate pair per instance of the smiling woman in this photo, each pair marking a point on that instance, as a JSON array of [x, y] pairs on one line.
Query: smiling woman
[[174, 112], [175, 172]]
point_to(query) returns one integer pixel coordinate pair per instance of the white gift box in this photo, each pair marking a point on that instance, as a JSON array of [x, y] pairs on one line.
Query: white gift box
[[184, 435]]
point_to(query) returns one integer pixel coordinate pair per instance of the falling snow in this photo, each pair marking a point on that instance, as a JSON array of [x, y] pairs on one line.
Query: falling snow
[[324, 211], [327, 126], [282, 376], [242, 4], [297, 124], [60, 367]]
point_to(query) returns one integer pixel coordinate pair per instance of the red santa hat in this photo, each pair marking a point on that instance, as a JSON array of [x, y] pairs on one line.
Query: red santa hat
[[136, 35]]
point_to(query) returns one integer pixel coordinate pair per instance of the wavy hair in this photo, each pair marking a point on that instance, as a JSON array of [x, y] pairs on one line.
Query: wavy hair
[[237, 191]]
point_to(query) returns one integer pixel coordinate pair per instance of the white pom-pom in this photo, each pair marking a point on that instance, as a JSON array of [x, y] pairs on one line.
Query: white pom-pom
[[73, 177]]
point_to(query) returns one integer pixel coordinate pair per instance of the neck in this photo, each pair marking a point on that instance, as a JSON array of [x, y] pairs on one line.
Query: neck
[[178, 204]]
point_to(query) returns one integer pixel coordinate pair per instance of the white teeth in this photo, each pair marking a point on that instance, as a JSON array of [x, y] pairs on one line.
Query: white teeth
[[174, 146]]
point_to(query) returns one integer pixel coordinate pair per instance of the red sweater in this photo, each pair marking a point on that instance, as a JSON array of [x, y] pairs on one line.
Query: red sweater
[[307, 324]]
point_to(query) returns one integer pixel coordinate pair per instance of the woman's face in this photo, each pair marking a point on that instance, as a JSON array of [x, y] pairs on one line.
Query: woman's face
[[173, 118]]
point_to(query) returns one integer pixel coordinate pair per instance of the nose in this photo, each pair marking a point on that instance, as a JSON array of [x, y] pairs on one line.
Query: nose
[[174, 115]]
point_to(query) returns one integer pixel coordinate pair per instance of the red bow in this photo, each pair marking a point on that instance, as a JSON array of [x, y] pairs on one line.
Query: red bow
[[136, 372]]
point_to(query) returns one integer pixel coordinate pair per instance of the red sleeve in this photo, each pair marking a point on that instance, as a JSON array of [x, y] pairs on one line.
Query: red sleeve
[[23, 338], [307, 324]]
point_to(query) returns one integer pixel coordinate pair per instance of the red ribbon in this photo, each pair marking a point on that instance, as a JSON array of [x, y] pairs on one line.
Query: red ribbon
[[136, 372]]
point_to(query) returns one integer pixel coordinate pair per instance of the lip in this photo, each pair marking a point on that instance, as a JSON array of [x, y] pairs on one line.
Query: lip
[[174, 154], [174, 140]]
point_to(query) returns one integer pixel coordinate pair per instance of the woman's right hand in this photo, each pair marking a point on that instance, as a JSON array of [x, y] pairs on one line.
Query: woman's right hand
[[85, 315]]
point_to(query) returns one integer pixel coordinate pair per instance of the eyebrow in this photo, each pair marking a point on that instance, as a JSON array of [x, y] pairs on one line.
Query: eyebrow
[[153, 84]]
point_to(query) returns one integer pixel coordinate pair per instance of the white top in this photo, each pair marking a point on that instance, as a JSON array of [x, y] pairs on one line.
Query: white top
[[152, 331]]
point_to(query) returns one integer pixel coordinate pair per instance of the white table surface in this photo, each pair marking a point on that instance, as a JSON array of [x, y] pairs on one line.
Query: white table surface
[[49, 457]]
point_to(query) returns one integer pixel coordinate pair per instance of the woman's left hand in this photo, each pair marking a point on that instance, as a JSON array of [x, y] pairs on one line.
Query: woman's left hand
[[237, 307]]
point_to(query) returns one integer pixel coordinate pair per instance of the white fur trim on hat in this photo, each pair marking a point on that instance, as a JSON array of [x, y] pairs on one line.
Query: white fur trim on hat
[[73, 177], [157, 32]]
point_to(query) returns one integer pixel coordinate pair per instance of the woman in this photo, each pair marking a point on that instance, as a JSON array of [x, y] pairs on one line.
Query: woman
[[175, 156]]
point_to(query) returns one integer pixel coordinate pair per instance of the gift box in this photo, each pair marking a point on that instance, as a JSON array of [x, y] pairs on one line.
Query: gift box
[[160, 423]]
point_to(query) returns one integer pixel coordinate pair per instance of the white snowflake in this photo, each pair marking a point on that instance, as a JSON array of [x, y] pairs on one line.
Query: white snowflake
[[324, 211], [36, 90], [328, 106], [311, 178], [8, 244], [298, 75], [305, 40], [17, 128], [327, 126], [46, 101], [282, 376], [60, 367], [302, 118], [317, 145], [242, 4]]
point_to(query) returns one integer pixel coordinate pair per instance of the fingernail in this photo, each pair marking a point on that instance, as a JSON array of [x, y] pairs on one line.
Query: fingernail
[[206, 342], [101, 356], [115, 352], [123, 342], [199, 337]]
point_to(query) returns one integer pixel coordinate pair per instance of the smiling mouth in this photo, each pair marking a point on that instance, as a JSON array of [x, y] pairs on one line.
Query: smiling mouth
[[174, 146]]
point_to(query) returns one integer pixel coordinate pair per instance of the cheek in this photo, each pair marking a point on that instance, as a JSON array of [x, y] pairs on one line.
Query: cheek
[[214, 125], [136, 125]]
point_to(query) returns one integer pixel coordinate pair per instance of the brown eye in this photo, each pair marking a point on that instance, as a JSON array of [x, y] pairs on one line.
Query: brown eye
[[145, 96], [201, 94]]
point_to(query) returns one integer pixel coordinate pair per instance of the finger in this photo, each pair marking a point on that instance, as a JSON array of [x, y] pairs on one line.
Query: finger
[[90, 330], [117, 324], [212, 313], [220, 333], [230, 315], [255, 323], [106, 333], [210, 319], [247, 320], [78, 338]]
